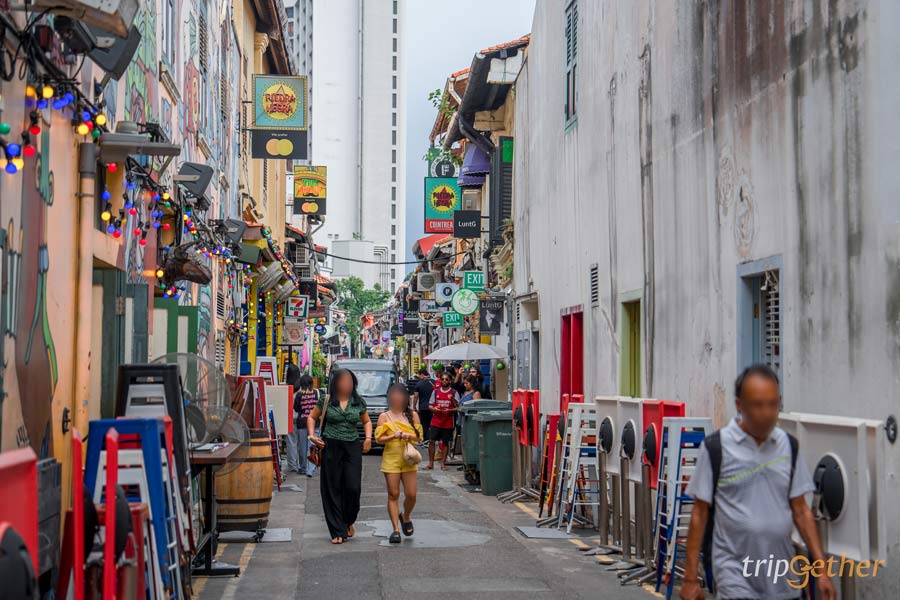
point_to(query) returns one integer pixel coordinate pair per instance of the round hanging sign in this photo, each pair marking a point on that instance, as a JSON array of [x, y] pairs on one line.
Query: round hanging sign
[[464, 301]]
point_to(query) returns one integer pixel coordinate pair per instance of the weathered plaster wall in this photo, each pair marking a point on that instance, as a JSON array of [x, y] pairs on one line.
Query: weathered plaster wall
[[709, 135]]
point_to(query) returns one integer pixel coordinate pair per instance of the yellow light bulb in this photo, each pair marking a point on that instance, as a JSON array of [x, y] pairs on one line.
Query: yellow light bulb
[[100, 119], [165, 195], [82, 129], [47, 92], [30, 92], [105, 216], [18, 162], [159, 273]]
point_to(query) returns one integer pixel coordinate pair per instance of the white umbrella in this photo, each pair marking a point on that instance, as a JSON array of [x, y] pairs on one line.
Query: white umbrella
[[467, 351]]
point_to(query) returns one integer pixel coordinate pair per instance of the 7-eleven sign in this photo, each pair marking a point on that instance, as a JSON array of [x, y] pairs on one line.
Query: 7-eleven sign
[[297, 307]]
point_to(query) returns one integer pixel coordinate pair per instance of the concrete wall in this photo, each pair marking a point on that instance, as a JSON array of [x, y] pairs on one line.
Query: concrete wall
[[710, 135]]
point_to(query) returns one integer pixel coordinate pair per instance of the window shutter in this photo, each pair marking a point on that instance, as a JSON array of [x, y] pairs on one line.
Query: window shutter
[[203, 35], [595, 285], [772, 299], [501, 189]]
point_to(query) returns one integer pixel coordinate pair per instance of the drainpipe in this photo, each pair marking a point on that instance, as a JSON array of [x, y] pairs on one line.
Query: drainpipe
[[87, 184]]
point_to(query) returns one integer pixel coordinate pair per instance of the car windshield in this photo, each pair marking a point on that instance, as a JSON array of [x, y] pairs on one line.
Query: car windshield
[[373, 383]]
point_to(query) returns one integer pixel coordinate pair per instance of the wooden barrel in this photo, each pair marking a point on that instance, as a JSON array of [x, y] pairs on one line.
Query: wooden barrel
[[245, 492]]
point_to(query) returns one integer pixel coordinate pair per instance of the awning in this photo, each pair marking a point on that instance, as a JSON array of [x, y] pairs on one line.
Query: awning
[[474, 168], [424, 245]]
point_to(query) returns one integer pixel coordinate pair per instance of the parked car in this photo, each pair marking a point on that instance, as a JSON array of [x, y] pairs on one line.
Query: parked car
[[375, 377]]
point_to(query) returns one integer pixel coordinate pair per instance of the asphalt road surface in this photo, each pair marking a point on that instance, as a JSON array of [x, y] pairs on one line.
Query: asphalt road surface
[[465, 545]]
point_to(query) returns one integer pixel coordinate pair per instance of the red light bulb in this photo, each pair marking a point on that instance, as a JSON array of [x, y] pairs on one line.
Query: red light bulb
[[117, 234], [132, 211], [166, 226], [112, 167], [136, 231], [34, 129], [29, 150], [142, 242]]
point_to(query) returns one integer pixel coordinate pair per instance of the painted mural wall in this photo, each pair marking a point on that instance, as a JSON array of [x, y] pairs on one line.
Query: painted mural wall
[[175, 80]]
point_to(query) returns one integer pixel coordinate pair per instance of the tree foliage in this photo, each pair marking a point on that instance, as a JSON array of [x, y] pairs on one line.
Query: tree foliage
[[354, 298]]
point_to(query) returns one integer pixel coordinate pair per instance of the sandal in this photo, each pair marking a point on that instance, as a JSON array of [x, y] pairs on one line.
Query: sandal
[[407, 526], [351, 531], [395, 538]]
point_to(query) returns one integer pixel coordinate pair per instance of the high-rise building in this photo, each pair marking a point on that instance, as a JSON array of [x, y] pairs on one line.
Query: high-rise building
[[298, 37], [358, 132]]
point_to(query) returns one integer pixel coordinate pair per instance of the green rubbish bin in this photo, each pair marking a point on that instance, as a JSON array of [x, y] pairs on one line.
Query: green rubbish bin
[[470, 428], [495, 433]]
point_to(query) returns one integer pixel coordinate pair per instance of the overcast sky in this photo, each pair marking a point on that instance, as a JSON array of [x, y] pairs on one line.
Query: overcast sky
[[442, 37]]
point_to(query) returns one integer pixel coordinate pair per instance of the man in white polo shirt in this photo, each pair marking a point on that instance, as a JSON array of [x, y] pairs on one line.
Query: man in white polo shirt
[[757, 500]]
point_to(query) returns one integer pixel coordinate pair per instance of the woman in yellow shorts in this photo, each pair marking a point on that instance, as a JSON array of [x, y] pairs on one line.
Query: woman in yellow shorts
[[397, 427]]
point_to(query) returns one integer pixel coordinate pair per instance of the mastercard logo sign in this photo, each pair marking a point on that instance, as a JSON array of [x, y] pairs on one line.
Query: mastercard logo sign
[[282, 147]]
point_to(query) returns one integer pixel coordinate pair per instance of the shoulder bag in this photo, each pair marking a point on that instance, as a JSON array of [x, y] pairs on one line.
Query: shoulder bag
[[315, 453], [411, 456]]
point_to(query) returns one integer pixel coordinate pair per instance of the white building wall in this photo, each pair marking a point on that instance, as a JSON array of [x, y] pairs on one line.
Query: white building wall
[[357, 59], [706, 138]]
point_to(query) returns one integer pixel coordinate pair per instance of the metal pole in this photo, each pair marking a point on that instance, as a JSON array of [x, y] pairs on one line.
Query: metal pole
[[625, 508]]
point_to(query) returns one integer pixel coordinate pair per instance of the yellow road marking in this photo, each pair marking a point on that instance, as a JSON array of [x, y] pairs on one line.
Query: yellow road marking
[[578, 543], [526, 509], [199, 582], [649, 588]]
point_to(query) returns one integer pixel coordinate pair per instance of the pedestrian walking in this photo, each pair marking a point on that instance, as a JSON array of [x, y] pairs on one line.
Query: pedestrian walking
[[444, 405], [305, 401], [748, 489], [471, 388], [340, 480], [424, 389], [398, 427], [295, 458]]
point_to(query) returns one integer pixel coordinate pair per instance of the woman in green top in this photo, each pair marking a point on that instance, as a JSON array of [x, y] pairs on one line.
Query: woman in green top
[[341, 469]]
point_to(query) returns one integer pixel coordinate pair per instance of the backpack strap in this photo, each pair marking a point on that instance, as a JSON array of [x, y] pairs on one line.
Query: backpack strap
[[713, 445], [795, 450]]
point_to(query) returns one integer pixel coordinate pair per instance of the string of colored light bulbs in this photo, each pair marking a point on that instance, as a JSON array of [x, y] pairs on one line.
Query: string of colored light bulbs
[[286, 266]]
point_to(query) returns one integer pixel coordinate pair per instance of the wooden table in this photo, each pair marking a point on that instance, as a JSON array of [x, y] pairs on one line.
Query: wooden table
[[207, 462]]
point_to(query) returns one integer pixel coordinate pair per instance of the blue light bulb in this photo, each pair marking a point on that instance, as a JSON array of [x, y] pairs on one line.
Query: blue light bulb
[[155, 224], [105, 195], [13, 150], [11, 168], [68, 97], [110, 228], [42, 104], [128, 205], [85, 116], [58, 104], [129, 185]]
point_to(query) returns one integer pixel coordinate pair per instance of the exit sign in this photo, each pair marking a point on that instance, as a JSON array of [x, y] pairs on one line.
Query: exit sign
[[473, 280], [452, 319]]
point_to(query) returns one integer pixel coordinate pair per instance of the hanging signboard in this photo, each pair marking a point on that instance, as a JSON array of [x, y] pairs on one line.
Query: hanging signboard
[[452, 319], [280, 102], [465, 302], [473, 280], [293, 333], [442, 198], [310, 190], [444, 292], [490, 316], [467, 224], [297, 307], [274, 144]]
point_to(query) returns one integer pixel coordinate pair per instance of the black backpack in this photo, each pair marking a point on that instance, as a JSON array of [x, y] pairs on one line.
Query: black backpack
[[713, 443]]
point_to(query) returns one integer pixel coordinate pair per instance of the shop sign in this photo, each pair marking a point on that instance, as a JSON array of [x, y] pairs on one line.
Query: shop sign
[[467, 224], [465, 302], [297, 307], [442, 198], [310, 190], [282, 145], [280, 102], [452, 319]]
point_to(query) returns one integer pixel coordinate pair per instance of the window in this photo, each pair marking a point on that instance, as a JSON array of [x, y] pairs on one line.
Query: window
[[394, 100], [630, 358], [393, 193], [394, 156], [395, 62], [220, 305], [393, 244], [393, 230], [393, 211], [759, 307], [394, 174], [395, 82], [394, 119], [595, 285], [395, 44], [571, 58], [203, 50], [395, 25], [395, 7], [168, 33], [394, 137]]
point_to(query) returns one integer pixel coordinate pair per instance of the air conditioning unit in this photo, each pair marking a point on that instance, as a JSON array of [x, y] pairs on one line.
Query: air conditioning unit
[[471, 199], [426, 282], [114, 16]]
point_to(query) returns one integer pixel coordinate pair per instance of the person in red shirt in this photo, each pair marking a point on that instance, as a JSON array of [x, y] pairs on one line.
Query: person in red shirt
[[444, 404]]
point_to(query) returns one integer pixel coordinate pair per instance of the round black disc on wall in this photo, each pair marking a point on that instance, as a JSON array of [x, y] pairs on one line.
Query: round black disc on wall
[[830, 487], [650, 449], [607, 435], [629, 440]]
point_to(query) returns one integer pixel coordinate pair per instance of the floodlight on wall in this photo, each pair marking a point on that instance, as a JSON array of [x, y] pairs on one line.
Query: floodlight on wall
[[630, 421], [114, 16], [194, 178], [610, 436], [116, 147], [847, 458], [110, 52]]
